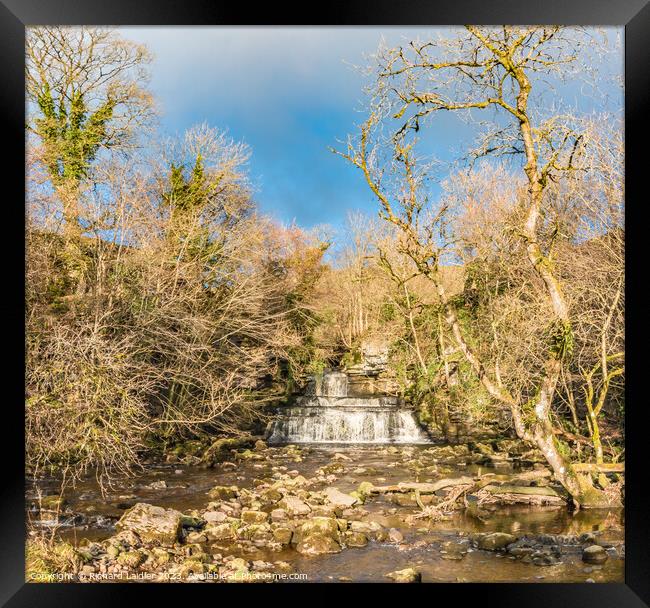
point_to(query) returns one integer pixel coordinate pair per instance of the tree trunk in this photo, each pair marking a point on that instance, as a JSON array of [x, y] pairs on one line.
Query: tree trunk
[[541, 434], [580, 487], [74, 260]]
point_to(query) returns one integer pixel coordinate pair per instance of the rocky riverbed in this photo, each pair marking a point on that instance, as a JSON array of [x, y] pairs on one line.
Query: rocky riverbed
[[359, 513]]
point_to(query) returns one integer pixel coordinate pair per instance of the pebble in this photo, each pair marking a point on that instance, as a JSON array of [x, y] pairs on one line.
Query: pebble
[[395, 536]]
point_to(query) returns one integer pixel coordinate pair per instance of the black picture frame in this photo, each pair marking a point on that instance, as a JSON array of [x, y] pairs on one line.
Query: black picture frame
[[633, 14]]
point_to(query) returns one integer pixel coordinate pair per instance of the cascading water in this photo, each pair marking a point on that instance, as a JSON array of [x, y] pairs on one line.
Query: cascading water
[[326, 414], [335, 384]]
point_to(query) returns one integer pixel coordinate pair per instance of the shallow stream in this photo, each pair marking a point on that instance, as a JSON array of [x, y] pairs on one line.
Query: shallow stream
[[185, 488]]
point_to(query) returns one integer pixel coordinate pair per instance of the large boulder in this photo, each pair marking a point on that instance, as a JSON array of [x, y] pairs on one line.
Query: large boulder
[[495, 541], [371, 529], [355, 539], [594, 554], [317, 544], [282, 535], [325, 526], [152, 524]]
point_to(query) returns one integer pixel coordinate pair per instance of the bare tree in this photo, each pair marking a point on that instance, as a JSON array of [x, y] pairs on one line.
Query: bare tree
[[483, 68], [193, 303]]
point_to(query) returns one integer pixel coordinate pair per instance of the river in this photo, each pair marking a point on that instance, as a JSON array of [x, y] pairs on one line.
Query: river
[[425, 543]]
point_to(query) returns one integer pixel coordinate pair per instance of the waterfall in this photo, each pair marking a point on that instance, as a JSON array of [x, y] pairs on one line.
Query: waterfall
[[334, 384], [329, 415]]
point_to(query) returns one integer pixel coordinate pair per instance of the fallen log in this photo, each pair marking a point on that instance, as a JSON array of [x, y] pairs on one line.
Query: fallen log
[[422, 488], [605, 467], [580, 439], [515, 477], [526, 490], [530, 495]]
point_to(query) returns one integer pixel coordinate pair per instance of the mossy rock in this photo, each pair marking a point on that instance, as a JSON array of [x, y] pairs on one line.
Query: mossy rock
[[53, 503], [223, 492], [324, 526], [190, 567], [192, 521], [250, 455], [495, 541], [113, 551], [255, 532], [408, 575], [283, 535], [195, 551], [131, 559], [254, 517], [270, 496], [152, 524], [355, 539], [371, 529], [317, 544], [235, 571], [160, 556], [364, 490]]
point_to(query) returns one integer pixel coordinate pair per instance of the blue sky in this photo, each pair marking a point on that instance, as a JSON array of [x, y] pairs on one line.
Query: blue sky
[[289, 93]]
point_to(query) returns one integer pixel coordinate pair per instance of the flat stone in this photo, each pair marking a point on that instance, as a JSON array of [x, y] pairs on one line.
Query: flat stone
[[254, 517], [214, 517], [278, 515], [594, 554], [423, 487], [294, 506], [223, 531], [338, 498], [408, 575], [152, 524]]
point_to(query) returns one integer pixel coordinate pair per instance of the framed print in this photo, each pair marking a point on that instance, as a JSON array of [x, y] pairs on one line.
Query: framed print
[[327, 303]]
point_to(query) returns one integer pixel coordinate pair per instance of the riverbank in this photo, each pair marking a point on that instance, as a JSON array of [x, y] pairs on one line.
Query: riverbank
[[333, 513]]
